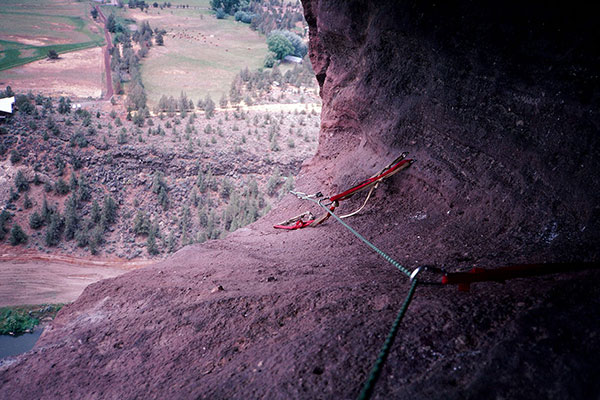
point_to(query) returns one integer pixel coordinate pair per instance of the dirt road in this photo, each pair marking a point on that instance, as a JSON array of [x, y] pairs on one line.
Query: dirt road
[[109, 87]]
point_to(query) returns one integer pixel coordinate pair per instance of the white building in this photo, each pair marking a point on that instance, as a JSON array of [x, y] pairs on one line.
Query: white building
[[6, 106]]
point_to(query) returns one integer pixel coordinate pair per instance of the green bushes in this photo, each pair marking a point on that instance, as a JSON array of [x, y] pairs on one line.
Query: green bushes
[[5, 216], [36, 221], [141, 223], [61, 188], [280, 46], [243, 16], [274, 182], [160, 188], [15, 322], [17, 235], [243, 209], [15, 157], [21, 319], [21, 183], [72, 224], [54, 230]]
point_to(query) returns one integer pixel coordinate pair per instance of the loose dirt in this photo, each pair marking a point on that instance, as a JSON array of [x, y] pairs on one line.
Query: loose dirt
[[76, 74], [29, 277]]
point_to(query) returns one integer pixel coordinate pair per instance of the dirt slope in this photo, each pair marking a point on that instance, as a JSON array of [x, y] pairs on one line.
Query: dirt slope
[[500, 106]]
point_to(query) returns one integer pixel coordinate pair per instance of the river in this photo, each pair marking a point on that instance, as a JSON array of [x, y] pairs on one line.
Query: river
[[15, 345]]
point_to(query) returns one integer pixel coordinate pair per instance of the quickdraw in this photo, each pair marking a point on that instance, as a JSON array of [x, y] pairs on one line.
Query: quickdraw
[[502, 274], [307, 219]]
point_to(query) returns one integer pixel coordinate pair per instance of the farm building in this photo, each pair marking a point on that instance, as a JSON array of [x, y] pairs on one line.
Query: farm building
[[6, 106], [292, 59]]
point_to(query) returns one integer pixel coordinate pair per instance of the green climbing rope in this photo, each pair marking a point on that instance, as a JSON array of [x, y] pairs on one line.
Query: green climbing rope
[[361, 237], [369, 384]]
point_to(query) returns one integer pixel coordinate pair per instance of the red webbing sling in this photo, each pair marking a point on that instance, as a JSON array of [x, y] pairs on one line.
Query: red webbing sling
[[298, 225], [395, 166], [386, 173]]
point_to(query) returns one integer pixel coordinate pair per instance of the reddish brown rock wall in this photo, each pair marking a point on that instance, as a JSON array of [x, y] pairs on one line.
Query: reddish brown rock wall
[[500, 106], [499, 102]]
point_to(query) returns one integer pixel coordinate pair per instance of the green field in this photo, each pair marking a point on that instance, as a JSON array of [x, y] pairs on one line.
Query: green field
[[30, 28], [201, 55]]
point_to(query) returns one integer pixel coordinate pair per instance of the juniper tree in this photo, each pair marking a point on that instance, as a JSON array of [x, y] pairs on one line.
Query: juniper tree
[[15, 157], [273, 182], [54, 229], [13, 195], [184, 223], [151, 241], [83, 190], [17, 235], [46, 211], [81, 237], [209, 107], [158, 181], [21, 183], [73, 182], [36, 221], [95, 239], [95, 212], [141, 223], [27, 203], [226, 188], [71, 217], [194, 199], [163, 198], [5, 216], [61, 188], [109, 212]]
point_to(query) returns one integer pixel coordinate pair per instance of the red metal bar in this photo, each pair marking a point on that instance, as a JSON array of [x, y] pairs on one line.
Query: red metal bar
[[464, 279]]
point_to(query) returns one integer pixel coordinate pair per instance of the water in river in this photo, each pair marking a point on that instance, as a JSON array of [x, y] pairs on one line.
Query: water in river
[[14, 345]]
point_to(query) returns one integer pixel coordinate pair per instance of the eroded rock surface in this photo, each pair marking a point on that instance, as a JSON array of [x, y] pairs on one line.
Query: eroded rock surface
[[499, 103]]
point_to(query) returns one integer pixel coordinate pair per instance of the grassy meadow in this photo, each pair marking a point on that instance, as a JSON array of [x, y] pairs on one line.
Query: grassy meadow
[[30, 28], [201, 54]]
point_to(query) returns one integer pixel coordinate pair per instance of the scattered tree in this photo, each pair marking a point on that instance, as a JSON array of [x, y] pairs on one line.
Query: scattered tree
[[36, 221], [52, 54], [21, 183], [27, 203], [54, 230], [269, 60], [160, 41], [15, 157], [109, 212], [279, 45], [141, 224], [209, 107], [5, 216], [17, 235]]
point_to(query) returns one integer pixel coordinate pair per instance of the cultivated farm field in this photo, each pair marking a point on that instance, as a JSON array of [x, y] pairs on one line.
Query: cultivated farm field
[[78, 75], [201, 56], [30, 28]]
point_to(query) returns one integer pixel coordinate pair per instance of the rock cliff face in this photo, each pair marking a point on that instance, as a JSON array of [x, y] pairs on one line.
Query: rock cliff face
[[497, 101], [500, 105]]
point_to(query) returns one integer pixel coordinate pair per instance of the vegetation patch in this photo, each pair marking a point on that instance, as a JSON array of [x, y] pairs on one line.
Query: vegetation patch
[[22, 319]]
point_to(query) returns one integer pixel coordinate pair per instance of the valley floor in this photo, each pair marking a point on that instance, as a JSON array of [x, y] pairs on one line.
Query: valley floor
[[29, 277]]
